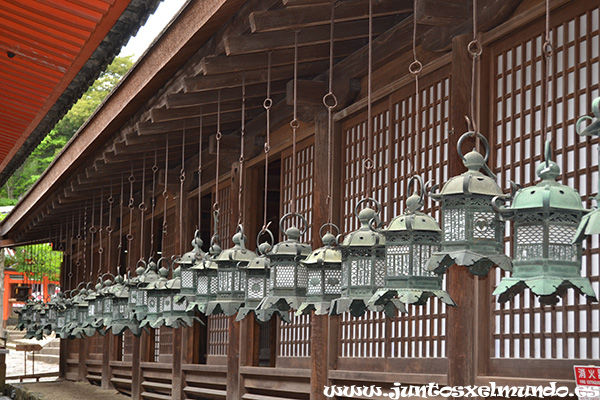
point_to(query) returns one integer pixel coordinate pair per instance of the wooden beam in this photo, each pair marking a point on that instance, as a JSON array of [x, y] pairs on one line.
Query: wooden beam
[[303, 16], [442, 12], [207, 97], [309, 93], [229, 144], [270, 41], [215, 82], [169, 114], [211, 65]]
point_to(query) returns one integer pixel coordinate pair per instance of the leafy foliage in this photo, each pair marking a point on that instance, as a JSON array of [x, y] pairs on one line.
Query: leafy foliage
[[31, 170], [36, 261]]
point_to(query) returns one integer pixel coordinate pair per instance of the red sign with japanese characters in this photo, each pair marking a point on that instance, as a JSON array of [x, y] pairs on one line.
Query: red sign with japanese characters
[[587, 376]]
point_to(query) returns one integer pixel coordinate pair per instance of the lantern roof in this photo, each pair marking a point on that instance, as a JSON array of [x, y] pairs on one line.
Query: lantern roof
[[548, 193], [237, 253], [326, 254], [473, 181], [292, 246], [364, 236]]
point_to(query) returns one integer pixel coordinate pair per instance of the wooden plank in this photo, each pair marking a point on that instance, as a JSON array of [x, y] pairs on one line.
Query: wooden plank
[[442, 12], [231, 80], [167, 114], [212, 65], [154, 396], [205, 392], [300, 17], [191, 98], [308, 93], [270, 41]]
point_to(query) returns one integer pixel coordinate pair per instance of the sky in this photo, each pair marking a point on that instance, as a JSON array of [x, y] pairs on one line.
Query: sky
[[154, 26]]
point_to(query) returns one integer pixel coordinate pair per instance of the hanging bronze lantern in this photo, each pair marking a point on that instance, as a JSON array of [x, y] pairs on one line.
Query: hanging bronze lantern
[[193, 281], [324, 271], [288, 277], [231, 286], [545, 218], [410, 240], [472, 233], [156, 298], [363, 264], [25, 315], [138, 297], [590, 223], [256, 275], [81, 323], [122, 315]]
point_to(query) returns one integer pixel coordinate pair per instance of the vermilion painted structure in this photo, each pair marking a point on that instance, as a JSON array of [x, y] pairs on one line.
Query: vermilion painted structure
[[17, 287]]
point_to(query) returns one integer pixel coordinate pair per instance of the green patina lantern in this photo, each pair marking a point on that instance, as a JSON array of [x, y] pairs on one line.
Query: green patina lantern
[[324, 271], [288, 277], [590, 223], [231, 287], [472, 233], [198, 277], [122, 314], [410, 240], [155, 298], [25, 315], [545, 218], [363, 264], [172, 314], [138, 297], [63, 311], [256, 275], [80, 326]]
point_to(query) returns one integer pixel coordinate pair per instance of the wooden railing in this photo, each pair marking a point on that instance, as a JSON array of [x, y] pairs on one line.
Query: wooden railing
[[156, 381], [121, 376], [204, 381]]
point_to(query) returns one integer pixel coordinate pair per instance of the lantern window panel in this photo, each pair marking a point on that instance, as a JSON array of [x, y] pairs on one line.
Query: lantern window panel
[[529, 242], [559, 240], [421, 254], [314, 282], [152, 304], [256, 288], [107, 305], [284, 275], [484, 225], [398, 260], [453, 222], [187, 279], [333, 280], [179, 306], [202, 285]]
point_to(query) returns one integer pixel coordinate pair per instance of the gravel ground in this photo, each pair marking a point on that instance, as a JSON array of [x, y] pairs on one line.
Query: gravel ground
[[61, 390]]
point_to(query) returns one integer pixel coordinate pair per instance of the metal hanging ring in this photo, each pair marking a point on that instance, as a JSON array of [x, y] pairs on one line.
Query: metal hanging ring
[[474, 48], [368, 164], [93, 230], [269, 235], [268, 103], [419, 179], [330, 101], [547, 49], [295, 124], [366, 199], [331, 224], [109, 229], [465, 135], [415, 67], [218, 135], [131, 178], [143, 207], [129, 237], [290, 215], [155, 168], [100, 250], [111, 200]]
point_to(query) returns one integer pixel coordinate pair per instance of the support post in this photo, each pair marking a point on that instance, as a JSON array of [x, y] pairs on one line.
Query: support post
[[462, 286], [176, 381], [136, 371], [83, 356], [233, 360], [108, 355]]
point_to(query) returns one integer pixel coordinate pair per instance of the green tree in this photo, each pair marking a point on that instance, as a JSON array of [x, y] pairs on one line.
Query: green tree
[[26, 175], [36, 261]]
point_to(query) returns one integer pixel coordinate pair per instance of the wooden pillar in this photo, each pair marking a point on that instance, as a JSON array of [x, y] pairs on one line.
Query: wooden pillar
[[233, 360], [461, 284], [83, 356], [136, 369], [320, 324], [176, 381], [108, 355]]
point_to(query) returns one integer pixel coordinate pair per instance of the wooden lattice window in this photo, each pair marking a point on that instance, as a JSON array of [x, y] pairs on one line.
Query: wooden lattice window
[[304, 185], [294, 337], [218, 335], [226, 231], [126, 345], [400, 151], [522, 328]]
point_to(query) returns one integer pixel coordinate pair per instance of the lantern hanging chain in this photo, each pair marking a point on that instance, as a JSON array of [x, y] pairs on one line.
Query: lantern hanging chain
[[71, 251], [200, 170], [218, 139], [100, 247], [109, 228], [121, 204], [242, 135], [294, 124], [142, 206], [93, 231], [415, 69], [181, 181], [547, 50], [154, 171], [475, 50], [368, 160], [267, 105], [129, 236], [165, 194], [330, 102], [85, 221]]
